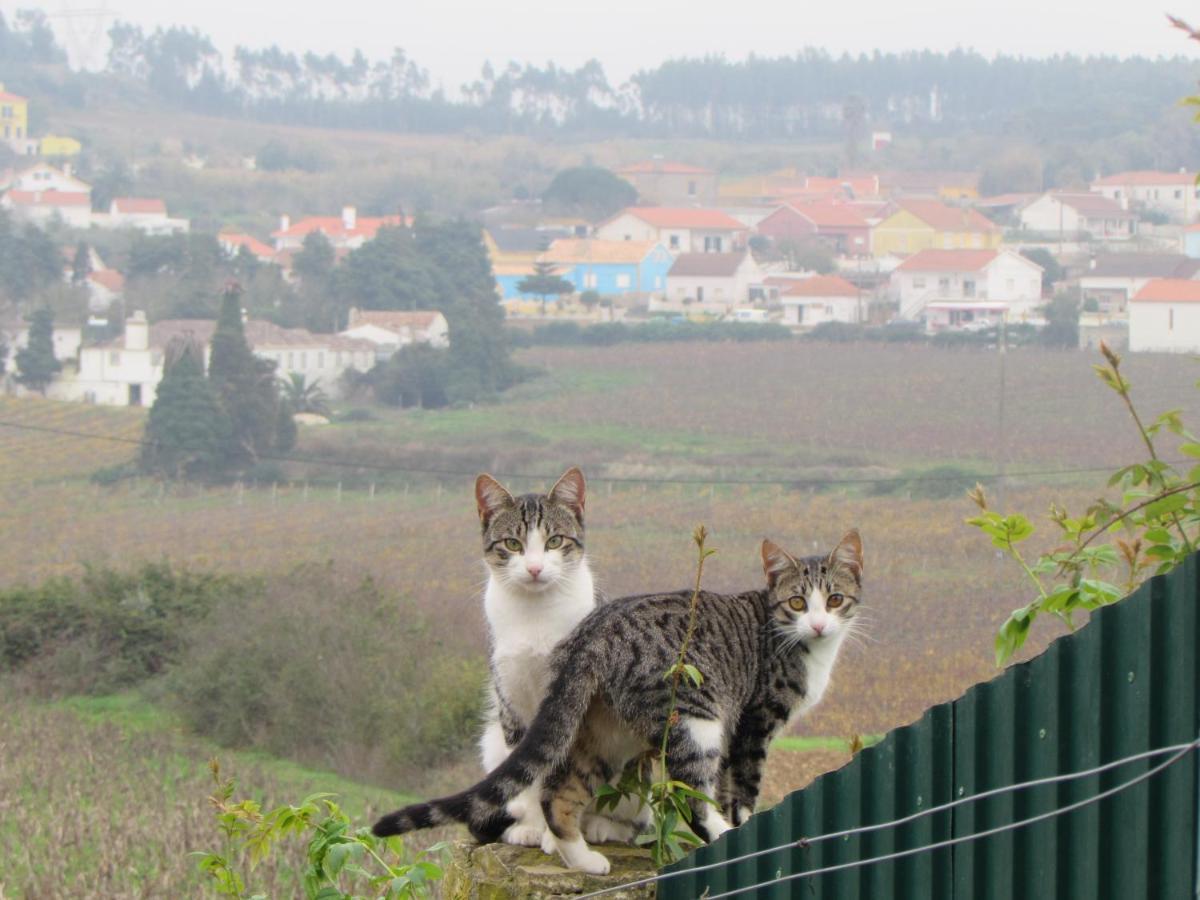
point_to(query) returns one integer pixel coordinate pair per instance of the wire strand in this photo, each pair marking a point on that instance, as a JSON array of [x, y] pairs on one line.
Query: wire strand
[[906, 820]]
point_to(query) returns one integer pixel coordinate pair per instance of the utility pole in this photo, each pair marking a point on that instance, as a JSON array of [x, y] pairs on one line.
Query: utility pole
[[1002, 346]]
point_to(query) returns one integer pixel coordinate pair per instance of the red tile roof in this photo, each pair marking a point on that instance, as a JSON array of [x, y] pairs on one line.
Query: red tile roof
[[858, 185], [706, 265], [1092, 204], [831, 214], [948, 218], [49, 198], [949, 260], [685, 217], [656, 166], [1169, 290], [109, 278], [1146, 177], [251, 243], [334, 226], [6, 97], [821, 286], [142, 206]]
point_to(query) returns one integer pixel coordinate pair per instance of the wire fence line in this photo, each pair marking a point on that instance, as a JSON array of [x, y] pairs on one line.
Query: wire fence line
[[448, 472], [1178, 750]]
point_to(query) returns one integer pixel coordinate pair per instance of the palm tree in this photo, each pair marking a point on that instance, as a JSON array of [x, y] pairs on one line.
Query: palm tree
[[304, 397]]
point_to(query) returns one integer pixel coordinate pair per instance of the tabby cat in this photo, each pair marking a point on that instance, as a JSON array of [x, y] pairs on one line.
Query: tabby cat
[[766, 657]]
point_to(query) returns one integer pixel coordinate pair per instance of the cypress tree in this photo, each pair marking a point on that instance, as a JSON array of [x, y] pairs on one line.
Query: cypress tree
[[187, 432], [36, 364]]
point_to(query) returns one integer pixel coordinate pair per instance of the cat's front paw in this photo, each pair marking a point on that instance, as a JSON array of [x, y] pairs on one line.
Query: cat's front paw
[[741, 814], [523, 835], [601, 830]]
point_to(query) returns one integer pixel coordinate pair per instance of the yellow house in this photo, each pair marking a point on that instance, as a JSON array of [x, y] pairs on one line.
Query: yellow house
[[14, 116], [56, 145], [914, 225]]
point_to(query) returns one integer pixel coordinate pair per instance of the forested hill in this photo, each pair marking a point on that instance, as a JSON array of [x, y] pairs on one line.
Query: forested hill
[[810, 94]]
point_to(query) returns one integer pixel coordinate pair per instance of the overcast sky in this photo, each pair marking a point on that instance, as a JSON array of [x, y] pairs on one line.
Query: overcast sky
[[452, 38]]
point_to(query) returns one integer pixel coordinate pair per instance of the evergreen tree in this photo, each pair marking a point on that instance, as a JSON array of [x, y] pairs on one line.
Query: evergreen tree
[[187, 431], [545, 282], [36, 364], [81, 265]]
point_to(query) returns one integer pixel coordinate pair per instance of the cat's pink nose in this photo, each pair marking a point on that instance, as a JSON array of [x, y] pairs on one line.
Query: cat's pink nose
[[818, 625], [534, 570]]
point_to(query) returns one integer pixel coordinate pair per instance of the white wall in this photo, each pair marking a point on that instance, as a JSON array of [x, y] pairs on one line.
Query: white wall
[[817, 310], [1164, 327]]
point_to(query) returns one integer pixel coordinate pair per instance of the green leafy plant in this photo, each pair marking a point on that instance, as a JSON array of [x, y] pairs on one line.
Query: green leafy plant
[[338, 854], [1150, 531], [669, 800]]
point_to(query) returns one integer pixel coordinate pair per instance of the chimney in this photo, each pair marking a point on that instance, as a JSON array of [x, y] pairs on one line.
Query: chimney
[[137, 332], [349, 217], [67, 169], [285, 222]]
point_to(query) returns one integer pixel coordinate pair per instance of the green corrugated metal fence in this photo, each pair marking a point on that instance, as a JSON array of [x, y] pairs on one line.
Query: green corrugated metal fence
[[1125, 683]]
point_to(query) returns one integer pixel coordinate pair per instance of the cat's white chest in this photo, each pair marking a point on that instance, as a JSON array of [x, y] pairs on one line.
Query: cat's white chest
[[818, 673]]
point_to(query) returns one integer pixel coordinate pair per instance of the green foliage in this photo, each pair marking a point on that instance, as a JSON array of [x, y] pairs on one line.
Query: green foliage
[[591, 192], [1062, 322], [29, 260], [1015, 172], [36, 363], [417, 375], [655, 331], [1150, 531], [338, 854], [933, 483], [1052, 270], [303, 397], [276, 156], [188, 430], [545, 282]]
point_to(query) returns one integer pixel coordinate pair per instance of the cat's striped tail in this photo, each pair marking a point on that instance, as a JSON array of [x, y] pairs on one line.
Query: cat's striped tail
[[546, 745]]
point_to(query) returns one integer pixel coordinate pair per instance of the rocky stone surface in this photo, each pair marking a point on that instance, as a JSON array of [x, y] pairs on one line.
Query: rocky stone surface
[[504, 872]]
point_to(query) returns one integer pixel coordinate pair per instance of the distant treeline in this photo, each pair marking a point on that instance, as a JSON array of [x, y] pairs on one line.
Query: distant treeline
[[809, 94]]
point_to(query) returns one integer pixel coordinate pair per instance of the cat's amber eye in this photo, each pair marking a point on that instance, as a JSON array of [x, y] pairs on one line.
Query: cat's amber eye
[[834, 601], [798, 604], [512, 544], [555, 542]]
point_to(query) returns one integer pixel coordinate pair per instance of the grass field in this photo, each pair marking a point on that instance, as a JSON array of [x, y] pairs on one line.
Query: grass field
[[935, 590]]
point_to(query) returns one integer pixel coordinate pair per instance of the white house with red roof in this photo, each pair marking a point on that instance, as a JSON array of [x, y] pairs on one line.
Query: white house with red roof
[[679, 229], [662, 181], [1073, 213], [809, 302], [232, 241], [1164, 317], [346, 232], [713, 283], [105, 287], [390, 330], [145, 214], [1173, 193], [957, 288]]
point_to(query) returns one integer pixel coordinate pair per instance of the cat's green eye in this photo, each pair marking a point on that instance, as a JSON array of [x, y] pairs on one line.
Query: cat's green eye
[[834, 601], [798, 604], [555, 542], [512, 544]]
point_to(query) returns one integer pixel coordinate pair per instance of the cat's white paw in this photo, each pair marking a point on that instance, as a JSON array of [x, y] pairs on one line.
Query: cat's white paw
[[524, 835], [601, 830], [578, 855], [741, 814], [549, 844]]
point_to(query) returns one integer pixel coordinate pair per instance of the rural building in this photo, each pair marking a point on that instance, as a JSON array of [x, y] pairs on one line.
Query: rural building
[[14, 120], [667, 183], [349, 231], [389, 330], [1164, 317], [838, 225], [611, 268], [1067, 214], [710, 282], [909, 226], [58, 145], [679, 229], [42, 194], [940, 185], [1172, 193], [232, 241], [952, 288], [1191, 241], [823, 298], [145, 214], [126, 371], [65, 338], [1113, 278], [105, 287]]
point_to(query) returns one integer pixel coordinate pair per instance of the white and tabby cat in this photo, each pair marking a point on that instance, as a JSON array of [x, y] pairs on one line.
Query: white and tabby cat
[[539, 588]]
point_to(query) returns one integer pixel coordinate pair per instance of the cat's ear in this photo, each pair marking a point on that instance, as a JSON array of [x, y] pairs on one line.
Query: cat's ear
[[849, 554], [570, 491], [775, 562], [490, 497]]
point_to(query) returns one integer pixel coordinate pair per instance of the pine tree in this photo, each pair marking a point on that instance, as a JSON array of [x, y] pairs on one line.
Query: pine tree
[[81, 265], [36, 364], [187, 432]]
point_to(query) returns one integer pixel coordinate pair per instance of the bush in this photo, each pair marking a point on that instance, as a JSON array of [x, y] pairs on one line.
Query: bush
[[933, 483]]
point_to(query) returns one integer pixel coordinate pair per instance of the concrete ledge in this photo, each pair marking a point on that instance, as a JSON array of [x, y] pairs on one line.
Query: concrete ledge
[[504, 872]]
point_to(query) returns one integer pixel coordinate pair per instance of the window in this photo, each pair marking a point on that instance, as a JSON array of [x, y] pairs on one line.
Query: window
[[1171, 318], [623, 281], [291, 360], [320, 359], [691, 189], [8, 113], [944, 286], [712, 244], [589, 280], [674, 243], [1179, 195], [699, 295], [303, 359], [969, 287], [918, 284], [114, 358]]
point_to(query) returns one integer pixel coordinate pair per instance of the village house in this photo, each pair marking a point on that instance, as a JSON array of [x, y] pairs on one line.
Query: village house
[[513, 251], [105, 287], [66, 339], [232, 241], [679, 229], [1112, 279], [957, 288], [912, 225], [838, 225], [667, 183], [947, 185], [126, 371], [390, 330], [14, 122], [346, 232], [712, 283], [611, 268], [809, 302], [145, 214], [1164, 317], [1172, 193], [42, 194], [1067, 214]]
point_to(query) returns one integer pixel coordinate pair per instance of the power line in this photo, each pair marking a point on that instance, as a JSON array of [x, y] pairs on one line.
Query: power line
[[1178, 749], [610, 479]]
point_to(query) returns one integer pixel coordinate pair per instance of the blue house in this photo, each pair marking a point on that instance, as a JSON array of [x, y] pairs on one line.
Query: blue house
[[611, 268]]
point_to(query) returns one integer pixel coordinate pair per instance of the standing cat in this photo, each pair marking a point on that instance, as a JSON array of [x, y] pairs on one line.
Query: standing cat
[[766, 656], [539, 588]]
